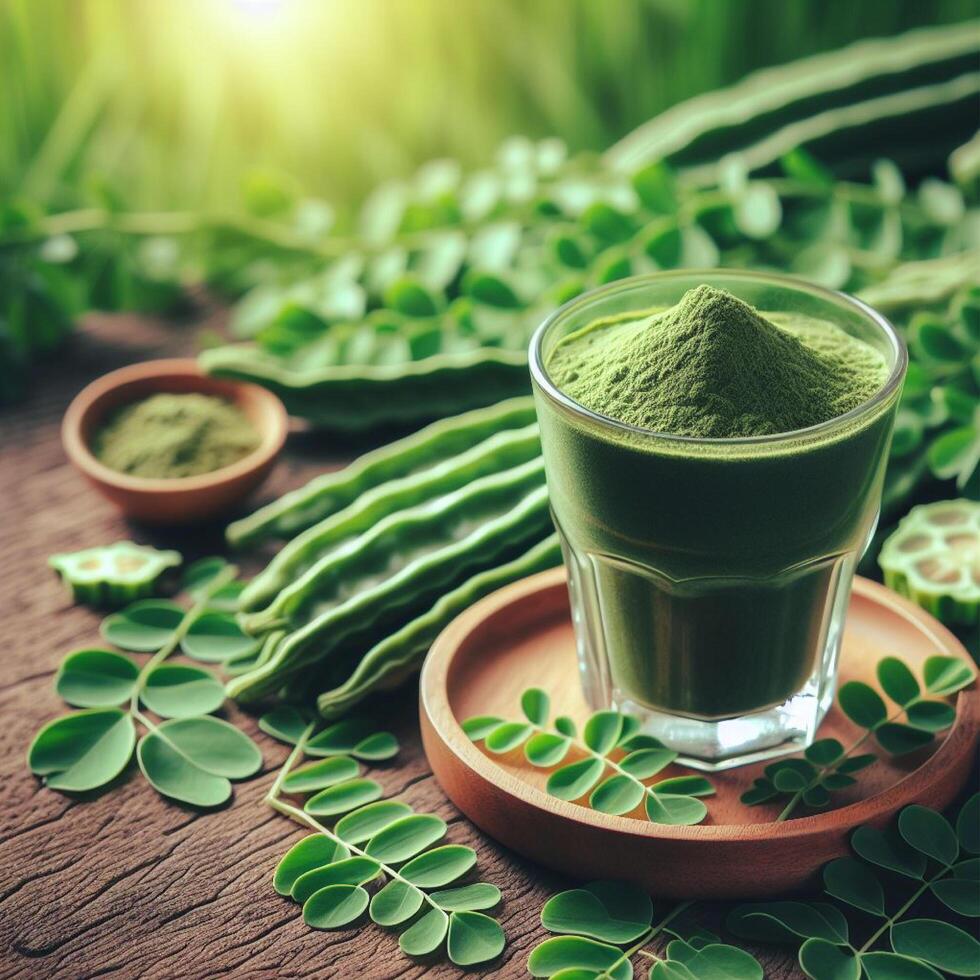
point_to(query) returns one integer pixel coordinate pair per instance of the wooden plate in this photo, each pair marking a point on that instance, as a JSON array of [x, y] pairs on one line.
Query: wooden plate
[[522, 636]]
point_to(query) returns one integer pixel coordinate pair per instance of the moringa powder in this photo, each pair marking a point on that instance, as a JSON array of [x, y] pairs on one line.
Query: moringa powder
[[168, 436], [713, 367]]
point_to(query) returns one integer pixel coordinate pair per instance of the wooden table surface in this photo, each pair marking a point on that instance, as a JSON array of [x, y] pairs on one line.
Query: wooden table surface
[[128, 884]]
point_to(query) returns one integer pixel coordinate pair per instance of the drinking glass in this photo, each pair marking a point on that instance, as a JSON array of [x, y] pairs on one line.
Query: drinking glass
[[709, 578]]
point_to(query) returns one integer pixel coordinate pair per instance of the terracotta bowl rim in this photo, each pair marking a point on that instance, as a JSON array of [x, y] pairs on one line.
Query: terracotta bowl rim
[[272, 427]]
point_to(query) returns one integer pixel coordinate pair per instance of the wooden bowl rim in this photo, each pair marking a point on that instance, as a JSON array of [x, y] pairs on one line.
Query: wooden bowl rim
[[437, 712], [272, 426]]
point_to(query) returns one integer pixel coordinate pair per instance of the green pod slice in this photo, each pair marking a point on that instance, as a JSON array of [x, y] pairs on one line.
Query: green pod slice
[[501, 451], [360, 397], [406, 565], [114, 575], [325, 495], [400, 655], [933, 558]]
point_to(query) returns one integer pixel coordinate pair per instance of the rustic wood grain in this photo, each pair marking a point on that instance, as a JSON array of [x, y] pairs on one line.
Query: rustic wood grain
[[127, 884]]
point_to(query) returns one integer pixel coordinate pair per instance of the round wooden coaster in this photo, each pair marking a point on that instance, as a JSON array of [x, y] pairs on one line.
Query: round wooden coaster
[[522, 637]]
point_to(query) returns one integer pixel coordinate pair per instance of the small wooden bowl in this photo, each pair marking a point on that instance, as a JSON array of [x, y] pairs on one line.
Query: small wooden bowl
[[185, 500], [521, 636]]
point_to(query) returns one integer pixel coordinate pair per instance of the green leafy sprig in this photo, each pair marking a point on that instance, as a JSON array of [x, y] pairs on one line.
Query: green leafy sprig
[[610, 743], [827, 765], [188, 756], [602, 926], [892, 870], [372, 840]]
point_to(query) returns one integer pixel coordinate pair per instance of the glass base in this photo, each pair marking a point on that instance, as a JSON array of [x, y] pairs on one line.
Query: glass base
[[715, 745]]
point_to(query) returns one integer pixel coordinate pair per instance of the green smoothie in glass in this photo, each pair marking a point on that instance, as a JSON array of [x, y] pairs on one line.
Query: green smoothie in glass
[[715, 445]]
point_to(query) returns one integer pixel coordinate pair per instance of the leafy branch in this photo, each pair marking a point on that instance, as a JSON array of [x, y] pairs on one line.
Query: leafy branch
[[373, 839], [190, 756], [594, 924], [925, 851], [827, 765], [669, 801]]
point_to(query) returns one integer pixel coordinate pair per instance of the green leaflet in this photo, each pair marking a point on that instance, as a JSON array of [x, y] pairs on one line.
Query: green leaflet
[[383, 839], [84, 750], [96, 678], [826, 764], [190, 756], [194, 759], [604, 924], [886, 940], [610, 744]]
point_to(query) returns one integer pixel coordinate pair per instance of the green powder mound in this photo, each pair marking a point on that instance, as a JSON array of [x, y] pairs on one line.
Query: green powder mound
[[712, 367], [170, 436]]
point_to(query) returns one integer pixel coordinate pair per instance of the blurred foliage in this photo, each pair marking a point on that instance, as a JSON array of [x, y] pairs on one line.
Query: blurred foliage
[[174, 102]]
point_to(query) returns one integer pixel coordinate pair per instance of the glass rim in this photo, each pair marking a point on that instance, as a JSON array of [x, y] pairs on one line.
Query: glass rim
[[543, 380]]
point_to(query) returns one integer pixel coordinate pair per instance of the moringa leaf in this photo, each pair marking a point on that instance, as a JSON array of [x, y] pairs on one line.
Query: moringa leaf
[[897, 681], [365, 822], [947, 675], [440, 866], [507, 736], [822, 960], [396, 903], [862, 704], [940, 944], [286, 724], [340, 738], [685, 786], [343, 797], [96, 678], [426, 935], [356, 870], [578, 953], [617, 795], [320, 775], [215, 637], [335, 906], [962, 896], [143, 626], [576, 779], [785, 921], [406, 837], [901, 739], [888, 850], [376, 747], [674, 810], [536, 706], [478, 727], [467, 898], [193, 759], [602, 731], [718, 961], [968, 825], [824, 751], [881, 965], [314, 851], [612, 912], [179, 691], [84, 750], [931, 716], [855, 884], [473, 938], [199, 575], [546, 749], [929, 833], [644, 763]]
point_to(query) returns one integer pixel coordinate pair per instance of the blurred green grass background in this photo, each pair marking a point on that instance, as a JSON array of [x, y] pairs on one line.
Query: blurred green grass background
[[172, 102]]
